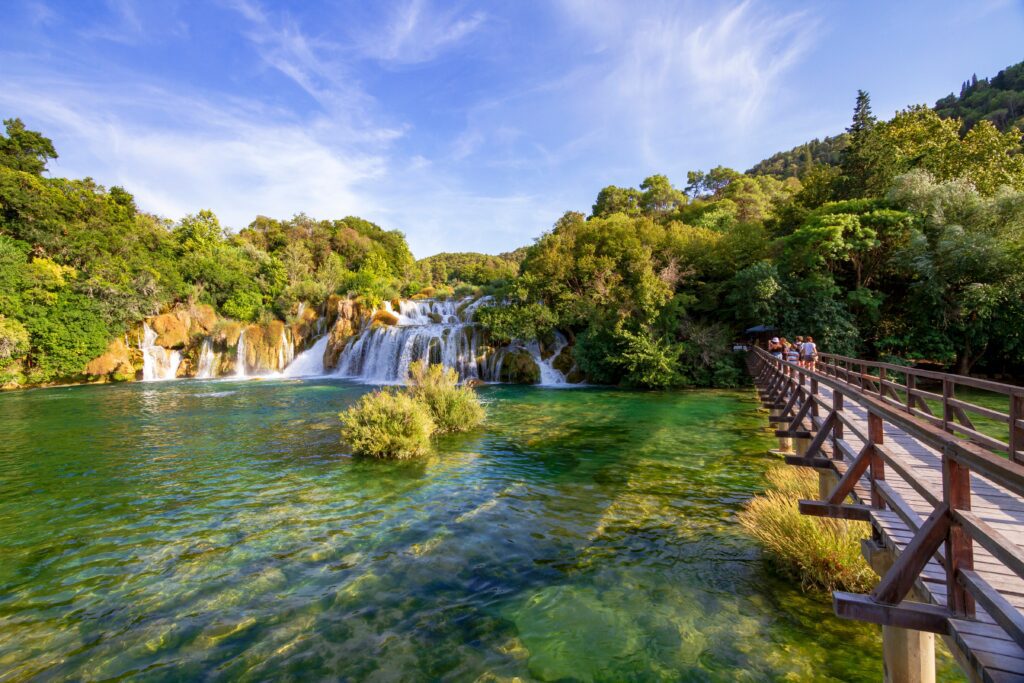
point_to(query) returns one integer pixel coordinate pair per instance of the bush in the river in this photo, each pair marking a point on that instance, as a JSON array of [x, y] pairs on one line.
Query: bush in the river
[[388, 424], [822, 553], [453, 408]]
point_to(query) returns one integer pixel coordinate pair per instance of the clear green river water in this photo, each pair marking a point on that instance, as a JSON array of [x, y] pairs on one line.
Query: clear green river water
[[218, 530]]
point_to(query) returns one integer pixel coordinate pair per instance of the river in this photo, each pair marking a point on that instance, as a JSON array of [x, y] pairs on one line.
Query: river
[[218, 529]]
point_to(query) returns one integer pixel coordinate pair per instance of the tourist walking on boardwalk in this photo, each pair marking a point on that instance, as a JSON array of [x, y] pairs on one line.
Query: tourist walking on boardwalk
[[775, 347], [809, 353], [792, 354]]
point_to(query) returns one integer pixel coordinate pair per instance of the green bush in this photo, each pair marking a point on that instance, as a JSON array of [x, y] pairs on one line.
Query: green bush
[[387, 424], [453, 408], [822, 553]]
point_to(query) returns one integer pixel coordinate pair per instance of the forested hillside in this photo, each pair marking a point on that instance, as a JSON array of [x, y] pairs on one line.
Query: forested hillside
[[999, 100], [907, 244]]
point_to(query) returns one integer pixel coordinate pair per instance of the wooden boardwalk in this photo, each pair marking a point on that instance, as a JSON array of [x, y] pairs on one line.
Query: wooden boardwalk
[[943, 493]]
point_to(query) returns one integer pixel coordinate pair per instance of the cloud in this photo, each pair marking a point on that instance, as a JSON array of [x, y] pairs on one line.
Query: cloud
[[415, 33], [667, 69], [234, 157]]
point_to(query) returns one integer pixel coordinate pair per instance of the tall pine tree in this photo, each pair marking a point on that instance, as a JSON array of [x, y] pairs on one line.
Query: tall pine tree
[[855, 162]]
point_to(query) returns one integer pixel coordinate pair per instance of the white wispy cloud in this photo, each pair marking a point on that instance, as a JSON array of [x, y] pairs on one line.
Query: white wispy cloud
[[416, 32], [666, 69]]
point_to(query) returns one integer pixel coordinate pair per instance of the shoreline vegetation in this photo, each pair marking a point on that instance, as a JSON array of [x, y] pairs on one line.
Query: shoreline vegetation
[[824, 554], [398, 424], [902, 240]]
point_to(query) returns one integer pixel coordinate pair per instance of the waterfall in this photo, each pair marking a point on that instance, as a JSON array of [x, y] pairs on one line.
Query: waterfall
[[285, 354], [440, 331], [549, 376], [309, 363], [240, 356], [158, 363], [207, 361]]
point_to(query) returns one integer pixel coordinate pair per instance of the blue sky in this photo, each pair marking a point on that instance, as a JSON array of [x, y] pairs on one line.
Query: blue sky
[[467, 125]]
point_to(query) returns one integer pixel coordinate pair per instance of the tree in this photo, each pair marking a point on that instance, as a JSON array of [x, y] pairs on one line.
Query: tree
[[659, 197], [25, 150], [855, 159], [612, 199]]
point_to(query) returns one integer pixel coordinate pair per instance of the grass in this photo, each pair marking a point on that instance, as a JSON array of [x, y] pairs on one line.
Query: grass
[[822, 553]]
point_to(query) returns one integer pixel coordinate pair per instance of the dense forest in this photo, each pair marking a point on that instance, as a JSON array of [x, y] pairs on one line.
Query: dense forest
[[999, 100], [900, 239]]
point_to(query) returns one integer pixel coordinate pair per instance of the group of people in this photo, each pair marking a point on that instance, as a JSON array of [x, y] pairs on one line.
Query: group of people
[[803, 351]]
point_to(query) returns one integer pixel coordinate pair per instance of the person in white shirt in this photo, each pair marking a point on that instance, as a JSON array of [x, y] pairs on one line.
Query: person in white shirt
[[809, 352]]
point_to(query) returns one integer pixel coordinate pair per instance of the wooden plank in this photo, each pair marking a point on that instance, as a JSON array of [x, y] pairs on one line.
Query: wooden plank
[[1001, 547], [1005, 614]]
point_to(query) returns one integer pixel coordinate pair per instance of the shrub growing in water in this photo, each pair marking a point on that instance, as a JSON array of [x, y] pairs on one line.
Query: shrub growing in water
[[823, 553], [453, 408], [388, 424]]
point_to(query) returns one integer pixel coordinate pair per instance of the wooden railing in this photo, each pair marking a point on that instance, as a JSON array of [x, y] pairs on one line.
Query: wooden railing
[[912, 389], [946, 529]]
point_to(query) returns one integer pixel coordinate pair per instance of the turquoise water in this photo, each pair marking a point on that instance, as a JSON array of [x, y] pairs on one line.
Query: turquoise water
[[217, 529]]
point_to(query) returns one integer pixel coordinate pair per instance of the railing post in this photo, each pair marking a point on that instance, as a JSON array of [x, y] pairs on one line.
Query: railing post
[[814, 396], [947, 410], [837, 430], [1017, 428], [881, 382], [876, 435], [956, 491], [911, 386]]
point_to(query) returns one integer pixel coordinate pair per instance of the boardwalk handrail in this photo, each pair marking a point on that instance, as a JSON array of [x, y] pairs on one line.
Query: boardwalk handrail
[[955, 414], [949, 532]]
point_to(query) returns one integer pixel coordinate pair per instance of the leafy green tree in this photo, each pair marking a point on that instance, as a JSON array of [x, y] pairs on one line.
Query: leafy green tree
[[659, 197], [25, 150], [612, 199]]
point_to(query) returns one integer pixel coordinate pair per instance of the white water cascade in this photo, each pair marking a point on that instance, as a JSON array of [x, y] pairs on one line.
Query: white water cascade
[[439, 331], [549, 376], [206, 367], [309, 363], [240, 356], [158, 363]]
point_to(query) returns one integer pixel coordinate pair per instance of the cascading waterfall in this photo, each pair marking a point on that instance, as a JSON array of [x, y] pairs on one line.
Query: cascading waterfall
[[309, 363], [439, 331], [158, 363], [549, 376], [207, 361], [240, 356], [286, 352]]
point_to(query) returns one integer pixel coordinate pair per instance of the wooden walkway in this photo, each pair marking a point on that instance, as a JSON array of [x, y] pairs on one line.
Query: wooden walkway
[[943, 493]]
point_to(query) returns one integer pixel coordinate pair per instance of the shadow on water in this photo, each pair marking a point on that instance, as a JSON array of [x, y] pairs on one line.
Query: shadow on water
[[219, 529]]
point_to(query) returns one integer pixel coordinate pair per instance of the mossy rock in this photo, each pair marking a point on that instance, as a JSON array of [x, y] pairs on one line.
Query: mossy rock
[[385, 318], [518, 367], [203, 319], [116, 358], [435, 318], [564, 362]]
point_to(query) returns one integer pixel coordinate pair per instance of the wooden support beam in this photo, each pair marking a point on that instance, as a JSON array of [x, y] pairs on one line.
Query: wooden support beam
[[817, 463], [818, 508], [796, 434], [917, 616], [804, 409], [823, 433], [898, 581], [853, 474], [956, 492]]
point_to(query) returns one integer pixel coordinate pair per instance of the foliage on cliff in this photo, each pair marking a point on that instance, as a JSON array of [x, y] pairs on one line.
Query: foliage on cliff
[[911, 246], [80, 264], [999, 101]]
